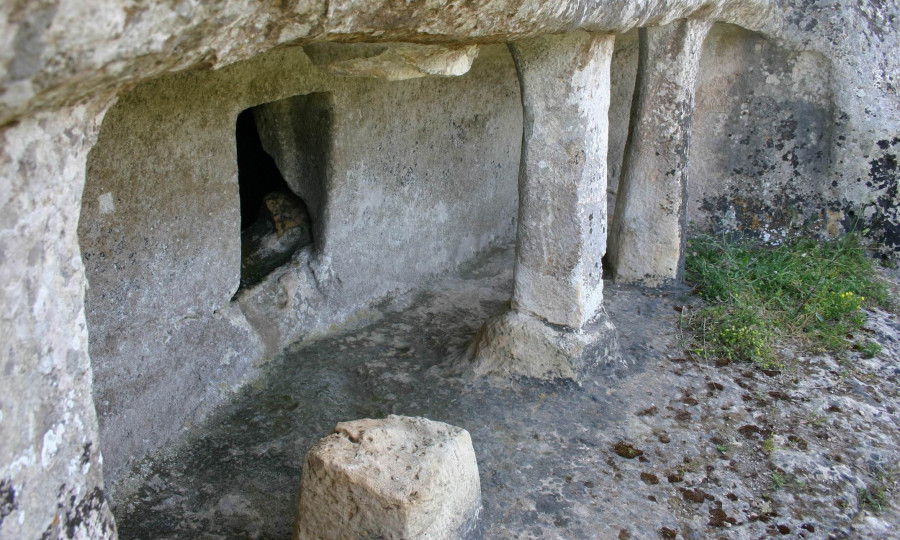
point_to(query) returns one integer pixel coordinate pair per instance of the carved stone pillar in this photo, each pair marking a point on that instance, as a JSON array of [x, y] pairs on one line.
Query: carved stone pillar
[[556, 325], [646, 243]]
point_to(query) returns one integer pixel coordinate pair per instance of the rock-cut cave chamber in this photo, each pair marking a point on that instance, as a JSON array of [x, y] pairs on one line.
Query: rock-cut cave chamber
[[227, 214], [190, 189]]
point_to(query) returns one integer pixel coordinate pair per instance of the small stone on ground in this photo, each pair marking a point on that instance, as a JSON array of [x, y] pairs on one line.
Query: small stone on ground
[[396, 478]]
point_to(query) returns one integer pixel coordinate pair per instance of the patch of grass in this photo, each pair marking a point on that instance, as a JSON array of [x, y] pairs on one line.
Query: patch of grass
[[803, 289], [872, 497], [815, 419], [878, 491]]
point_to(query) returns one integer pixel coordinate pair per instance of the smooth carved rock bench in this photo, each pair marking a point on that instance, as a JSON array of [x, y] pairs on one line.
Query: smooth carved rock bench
[[397, 478]]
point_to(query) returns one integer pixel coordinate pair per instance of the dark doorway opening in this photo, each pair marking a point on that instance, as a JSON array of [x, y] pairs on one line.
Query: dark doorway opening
[[258, 175], [275, 222]]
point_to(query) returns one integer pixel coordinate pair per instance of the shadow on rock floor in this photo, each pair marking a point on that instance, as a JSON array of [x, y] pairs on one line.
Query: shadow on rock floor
[[658, 447]]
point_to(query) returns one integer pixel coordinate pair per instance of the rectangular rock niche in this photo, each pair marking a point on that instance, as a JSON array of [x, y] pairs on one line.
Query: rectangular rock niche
[[282, 154]]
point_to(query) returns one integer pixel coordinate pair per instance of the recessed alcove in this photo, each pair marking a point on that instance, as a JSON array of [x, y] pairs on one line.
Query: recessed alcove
[[401, 181], [275, 218]]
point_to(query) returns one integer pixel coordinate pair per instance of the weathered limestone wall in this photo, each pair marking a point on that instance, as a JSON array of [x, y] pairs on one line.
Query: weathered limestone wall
[[51, 477], [861, 40], [798, 127], [421, 175], [763, 135], [760, 157]]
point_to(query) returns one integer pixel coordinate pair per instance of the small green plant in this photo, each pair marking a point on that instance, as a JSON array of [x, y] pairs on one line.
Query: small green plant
[[872, 497], [815, 419], [757, 295], [778, 480], [769, 444], [745, 341], [870, 349]]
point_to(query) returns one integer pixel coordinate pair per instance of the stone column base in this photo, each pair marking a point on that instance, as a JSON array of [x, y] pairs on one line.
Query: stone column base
[[516, 344]]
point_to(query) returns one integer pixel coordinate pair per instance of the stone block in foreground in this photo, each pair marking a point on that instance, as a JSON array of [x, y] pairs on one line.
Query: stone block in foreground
[[396, 478]]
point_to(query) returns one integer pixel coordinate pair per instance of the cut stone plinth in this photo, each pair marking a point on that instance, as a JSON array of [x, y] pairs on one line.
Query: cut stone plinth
[[396, 478], [515, 344]]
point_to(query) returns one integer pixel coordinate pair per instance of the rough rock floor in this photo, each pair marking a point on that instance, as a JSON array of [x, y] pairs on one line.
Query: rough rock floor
[[659, 447]]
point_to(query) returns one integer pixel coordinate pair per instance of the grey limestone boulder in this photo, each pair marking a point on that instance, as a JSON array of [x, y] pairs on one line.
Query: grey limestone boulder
[[400, 477]]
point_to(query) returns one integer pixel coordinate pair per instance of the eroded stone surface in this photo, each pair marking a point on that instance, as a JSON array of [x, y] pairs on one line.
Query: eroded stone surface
[[51, 476], [395, 478], [53, 53], [392, 62], [549, 453]]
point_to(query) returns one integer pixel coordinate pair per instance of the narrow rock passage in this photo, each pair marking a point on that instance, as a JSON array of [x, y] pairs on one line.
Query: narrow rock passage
[[659, 447]]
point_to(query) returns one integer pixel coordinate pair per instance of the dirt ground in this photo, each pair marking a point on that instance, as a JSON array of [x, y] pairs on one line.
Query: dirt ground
[[655, 445]]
